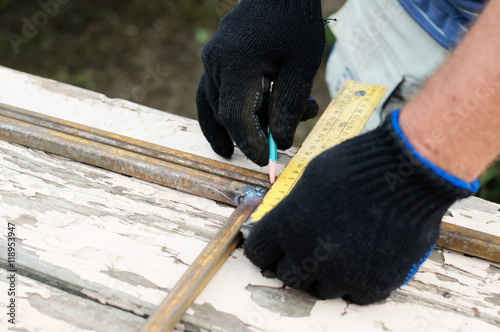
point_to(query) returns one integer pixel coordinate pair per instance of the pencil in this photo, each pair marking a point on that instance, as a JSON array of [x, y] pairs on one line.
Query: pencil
[[273, 149], [273, 155]]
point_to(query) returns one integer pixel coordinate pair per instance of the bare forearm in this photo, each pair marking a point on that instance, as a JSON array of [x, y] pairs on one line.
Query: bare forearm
[[455, 120]]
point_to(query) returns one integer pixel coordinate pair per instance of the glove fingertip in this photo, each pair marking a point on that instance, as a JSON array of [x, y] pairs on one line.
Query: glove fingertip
[[284, 137], [284, 121], [312, 109], [223, 150], [283, 133], [261, 158], [217, 136], [214, 132]]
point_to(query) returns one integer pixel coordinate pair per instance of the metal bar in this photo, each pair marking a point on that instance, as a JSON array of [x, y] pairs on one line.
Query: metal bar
[[469, 241], [122, 161], [181, 158], [173, 307]]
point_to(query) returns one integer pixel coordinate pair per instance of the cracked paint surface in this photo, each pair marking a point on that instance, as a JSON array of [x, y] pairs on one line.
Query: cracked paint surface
[[457, 299], [110, 235], [123, 243]]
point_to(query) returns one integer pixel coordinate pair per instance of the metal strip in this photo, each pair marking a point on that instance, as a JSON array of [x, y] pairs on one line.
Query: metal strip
[[469, 241], [171, 310], [185, 179], [181, 158]]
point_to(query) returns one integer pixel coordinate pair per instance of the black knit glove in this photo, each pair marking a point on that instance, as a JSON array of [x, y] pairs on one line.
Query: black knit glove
[[360, 221], [281, 40]]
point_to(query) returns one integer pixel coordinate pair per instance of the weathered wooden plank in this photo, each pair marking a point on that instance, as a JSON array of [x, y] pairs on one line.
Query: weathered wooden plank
[[450, 293], [40, 307], [125, 242], [126, 290], [100, 234], [67, 186], [175, 304], [458, 283]]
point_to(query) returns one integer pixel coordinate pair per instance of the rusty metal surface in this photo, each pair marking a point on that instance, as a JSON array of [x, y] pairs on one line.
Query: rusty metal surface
[[469, 241], [137, 146], [171, 310], [185, 179]]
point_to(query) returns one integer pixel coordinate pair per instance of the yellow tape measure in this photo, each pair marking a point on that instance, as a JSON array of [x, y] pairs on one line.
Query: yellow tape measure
[[344, 118]]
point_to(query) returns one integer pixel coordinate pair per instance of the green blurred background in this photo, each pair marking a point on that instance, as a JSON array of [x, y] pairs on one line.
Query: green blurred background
[[109, 46]]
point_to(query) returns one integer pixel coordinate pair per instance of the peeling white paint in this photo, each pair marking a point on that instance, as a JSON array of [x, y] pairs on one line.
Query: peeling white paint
[[126, 241], [72, 232], [418, 306], [477, 214], [32, 315]]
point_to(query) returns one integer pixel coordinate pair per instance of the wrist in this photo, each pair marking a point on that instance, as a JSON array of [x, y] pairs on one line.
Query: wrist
[[456, 125], [430, 155]]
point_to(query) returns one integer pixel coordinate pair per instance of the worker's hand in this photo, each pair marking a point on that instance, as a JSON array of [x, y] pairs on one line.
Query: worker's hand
[[282, 41], [360, 221]]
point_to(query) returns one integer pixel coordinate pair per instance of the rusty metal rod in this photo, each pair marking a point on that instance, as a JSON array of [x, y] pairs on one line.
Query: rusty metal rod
[[185, 159], [469, 241], [122, 161], [192, 282]]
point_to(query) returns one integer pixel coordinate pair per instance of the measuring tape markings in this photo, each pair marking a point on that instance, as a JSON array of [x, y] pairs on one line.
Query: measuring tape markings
[[343, 119]]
